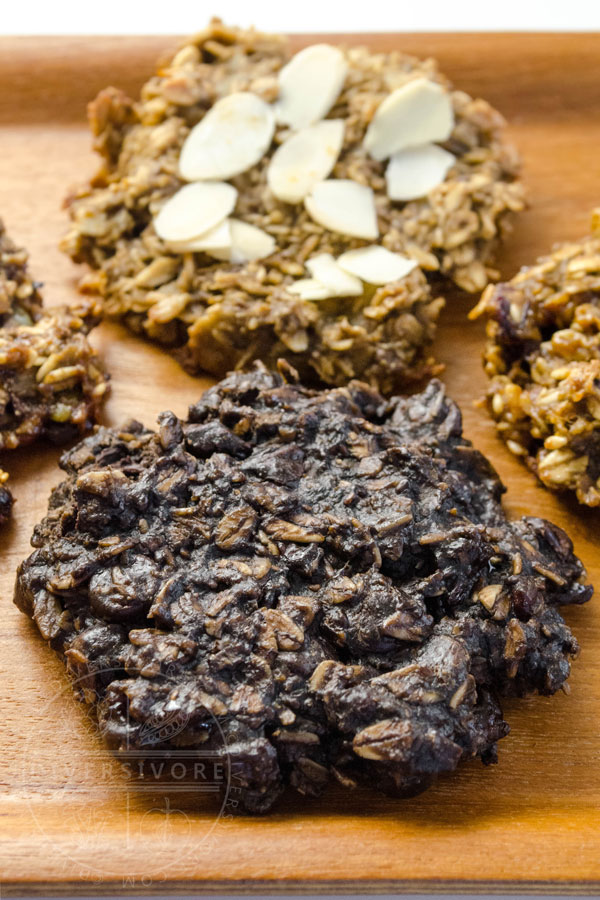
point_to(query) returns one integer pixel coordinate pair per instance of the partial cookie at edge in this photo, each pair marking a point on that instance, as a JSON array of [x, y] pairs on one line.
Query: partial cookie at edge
[[543, 360]]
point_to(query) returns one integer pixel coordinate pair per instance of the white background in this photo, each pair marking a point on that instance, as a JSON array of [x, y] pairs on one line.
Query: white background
[[186, 16]]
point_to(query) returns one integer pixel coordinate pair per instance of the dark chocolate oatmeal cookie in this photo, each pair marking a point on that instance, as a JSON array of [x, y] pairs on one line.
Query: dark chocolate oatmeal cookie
[[254, 205], [51, 381], [543, 360], [328, 575]]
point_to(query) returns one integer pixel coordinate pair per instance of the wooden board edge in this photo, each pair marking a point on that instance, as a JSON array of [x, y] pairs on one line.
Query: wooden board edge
[[281, 887], [126, 61]]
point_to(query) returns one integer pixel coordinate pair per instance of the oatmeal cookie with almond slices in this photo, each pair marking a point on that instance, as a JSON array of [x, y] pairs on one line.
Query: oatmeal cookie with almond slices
[[51, 381], [543, 360], [256, 205], [310, 585]]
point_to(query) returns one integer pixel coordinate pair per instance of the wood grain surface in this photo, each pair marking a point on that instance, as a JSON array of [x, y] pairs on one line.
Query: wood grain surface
[[69, 820]]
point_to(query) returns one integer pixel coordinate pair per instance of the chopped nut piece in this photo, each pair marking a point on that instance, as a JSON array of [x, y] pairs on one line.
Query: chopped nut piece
[[339, 283], [288, 635], [418, 112], [344, 206], [248, 243], [415, 171], [194, 210], [310, 289], [310, 84], [216, 239], [376, 265], [319, 677], [213, 149], [306, 158], [235, 528], [340, 590], [287, 531], [489, 594]]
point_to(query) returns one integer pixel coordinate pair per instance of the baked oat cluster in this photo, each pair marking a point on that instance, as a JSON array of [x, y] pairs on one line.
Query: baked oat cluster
[[543, 360], [51, 381], [324, 583], [256, 205]]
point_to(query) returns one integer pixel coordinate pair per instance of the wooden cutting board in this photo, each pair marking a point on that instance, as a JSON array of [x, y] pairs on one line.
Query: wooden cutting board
[[69, 819]]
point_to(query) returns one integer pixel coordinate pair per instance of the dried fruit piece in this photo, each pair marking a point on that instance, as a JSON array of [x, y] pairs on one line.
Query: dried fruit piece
[[344, 206], [277, 587], [376, 264], [419, 112], [310, 84], [194, 210], [232, 137], [306, 158], [414, 171], [247, 243]]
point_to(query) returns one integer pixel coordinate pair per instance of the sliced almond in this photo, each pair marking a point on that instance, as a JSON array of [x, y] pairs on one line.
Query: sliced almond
[[375, 264], [415, 171], [306, 158], [344, 206], [247, 243], [231, 138], [339, 283], [419, 112], [194, 210], [310, 84], [310, 289], [218, 238]]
